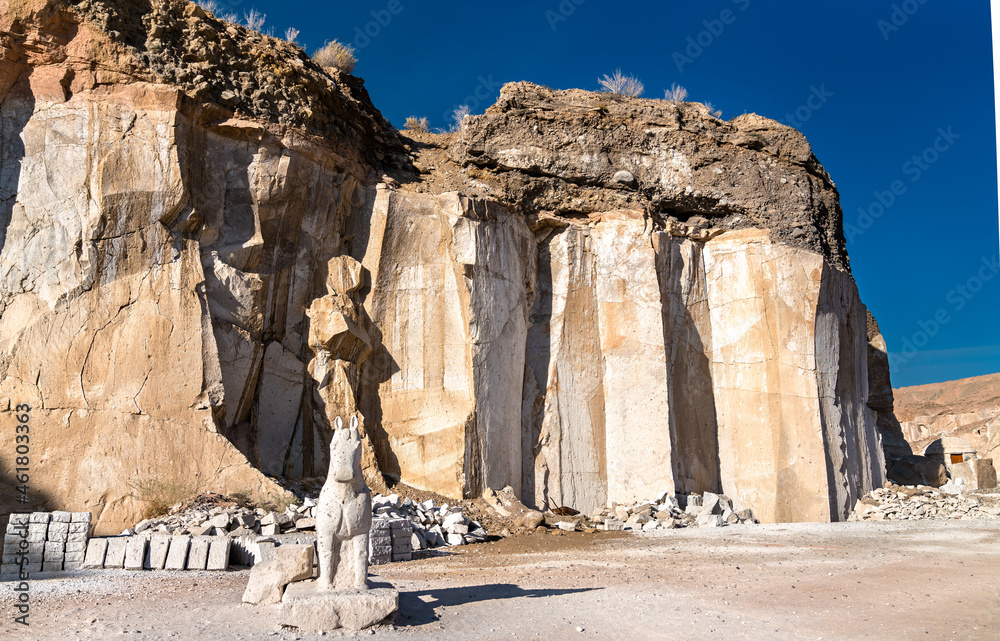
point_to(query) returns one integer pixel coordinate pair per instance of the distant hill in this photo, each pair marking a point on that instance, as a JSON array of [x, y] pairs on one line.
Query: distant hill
[[968, 408]]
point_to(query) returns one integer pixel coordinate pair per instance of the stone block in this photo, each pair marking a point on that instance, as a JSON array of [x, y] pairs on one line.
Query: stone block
[[10, 570], [135, 552], [53, 566], [57, 527], [115, 557], [54, 547], [178, 553], [265, 550], [268, 579], [710, 520], [31, 568], [27, 558], [218, 554], [73, 561], [61, 517], [76, 546], [38, 528], [80, 517], [18, 518], [40, 517], [156, 552], [220, 521], [310, 609], [96, 551], [198, 554], [270, 529], [78, 528]]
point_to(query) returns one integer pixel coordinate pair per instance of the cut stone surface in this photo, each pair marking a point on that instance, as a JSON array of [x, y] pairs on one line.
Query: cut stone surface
[[178, 553], [96, 550], [309, 608], [156, 553], [135, 552], [269, 578], [198, 554], [115, 557], [218, 554]]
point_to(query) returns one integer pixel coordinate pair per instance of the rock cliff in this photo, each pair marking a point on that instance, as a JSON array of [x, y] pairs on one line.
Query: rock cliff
[[968, 409], [585, 297]]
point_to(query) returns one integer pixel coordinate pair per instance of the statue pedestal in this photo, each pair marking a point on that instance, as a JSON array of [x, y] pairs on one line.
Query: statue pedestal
[[308, 608]]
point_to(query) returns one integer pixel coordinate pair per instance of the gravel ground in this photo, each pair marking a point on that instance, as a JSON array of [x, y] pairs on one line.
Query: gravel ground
[[906, 580]]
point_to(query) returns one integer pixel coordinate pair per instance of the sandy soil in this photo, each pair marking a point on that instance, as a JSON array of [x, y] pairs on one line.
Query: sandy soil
[[909, 580]]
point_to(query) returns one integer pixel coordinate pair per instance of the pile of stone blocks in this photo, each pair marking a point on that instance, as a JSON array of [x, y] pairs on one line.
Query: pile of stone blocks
[[158, 552], [390, 540], [45, 542]]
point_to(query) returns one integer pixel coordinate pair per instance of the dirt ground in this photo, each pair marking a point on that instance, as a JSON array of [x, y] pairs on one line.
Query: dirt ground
[[908, 580]]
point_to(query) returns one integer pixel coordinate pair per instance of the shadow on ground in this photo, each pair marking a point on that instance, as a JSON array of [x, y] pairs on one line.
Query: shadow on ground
[[418, 607]]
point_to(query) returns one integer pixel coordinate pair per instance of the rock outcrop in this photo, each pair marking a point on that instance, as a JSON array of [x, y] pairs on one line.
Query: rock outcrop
[[583, 297], [968, 409], [158, 256]]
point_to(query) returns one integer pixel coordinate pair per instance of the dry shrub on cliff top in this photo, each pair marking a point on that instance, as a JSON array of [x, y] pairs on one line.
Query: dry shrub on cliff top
[[676, 93], [254, 20], [336, 55], [458, 117], [418, 125], [619, 83]]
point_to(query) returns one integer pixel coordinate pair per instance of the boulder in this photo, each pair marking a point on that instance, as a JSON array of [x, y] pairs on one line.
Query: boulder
[[269, 578]]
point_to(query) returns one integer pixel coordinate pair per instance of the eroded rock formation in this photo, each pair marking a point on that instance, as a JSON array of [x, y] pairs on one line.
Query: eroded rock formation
[[584, 297]]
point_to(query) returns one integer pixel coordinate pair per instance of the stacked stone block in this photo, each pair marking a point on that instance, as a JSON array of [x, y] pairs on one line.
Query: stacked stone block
[[159, 552], [390, 541], [45, 542]]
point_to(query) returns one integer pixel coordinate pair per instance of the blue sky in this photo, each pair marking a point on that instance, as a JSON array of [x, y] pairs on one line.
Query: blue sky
[[902, 100]]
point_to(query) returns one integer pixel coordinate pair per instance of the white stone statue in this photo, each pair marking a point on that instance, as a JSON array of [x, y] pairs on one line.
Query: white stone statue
[[344, 514]]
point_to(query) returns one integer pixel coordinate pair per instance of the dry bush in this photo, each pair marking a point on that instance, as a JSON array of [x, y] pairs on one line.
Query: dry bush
[[336, 55], [458, 117], [160, 495], [254, 20], [676, 93], [291, 33], [619, 83], [210, 6], [418, 125], [712, 110]]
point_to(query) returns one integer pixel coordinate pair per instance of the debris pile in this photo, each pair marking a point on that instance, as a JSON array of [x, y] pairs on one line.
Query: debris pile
[[433, 525], [665, 513], [212, 514], [905, 503]]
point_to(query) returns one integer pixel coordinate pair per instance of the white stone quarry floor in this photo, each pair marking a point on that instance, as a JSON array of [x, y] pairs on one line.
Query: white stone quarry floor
[[906, 580]]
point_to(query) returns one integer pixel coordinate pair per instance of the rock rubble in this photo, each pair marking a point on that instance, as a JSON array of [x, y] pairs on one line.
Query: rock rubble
[[665, 513], [433, 525], [906, 503]]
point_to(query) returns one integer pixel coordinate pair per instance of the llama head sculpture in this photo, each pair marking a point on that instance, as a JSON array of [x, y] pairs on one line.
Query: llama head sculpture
[[345, 451]]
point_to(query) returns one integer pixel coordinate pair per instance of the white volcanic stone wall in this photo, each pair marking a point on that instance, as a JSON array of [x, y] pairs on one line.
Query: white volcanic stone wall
[[650, 363]]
